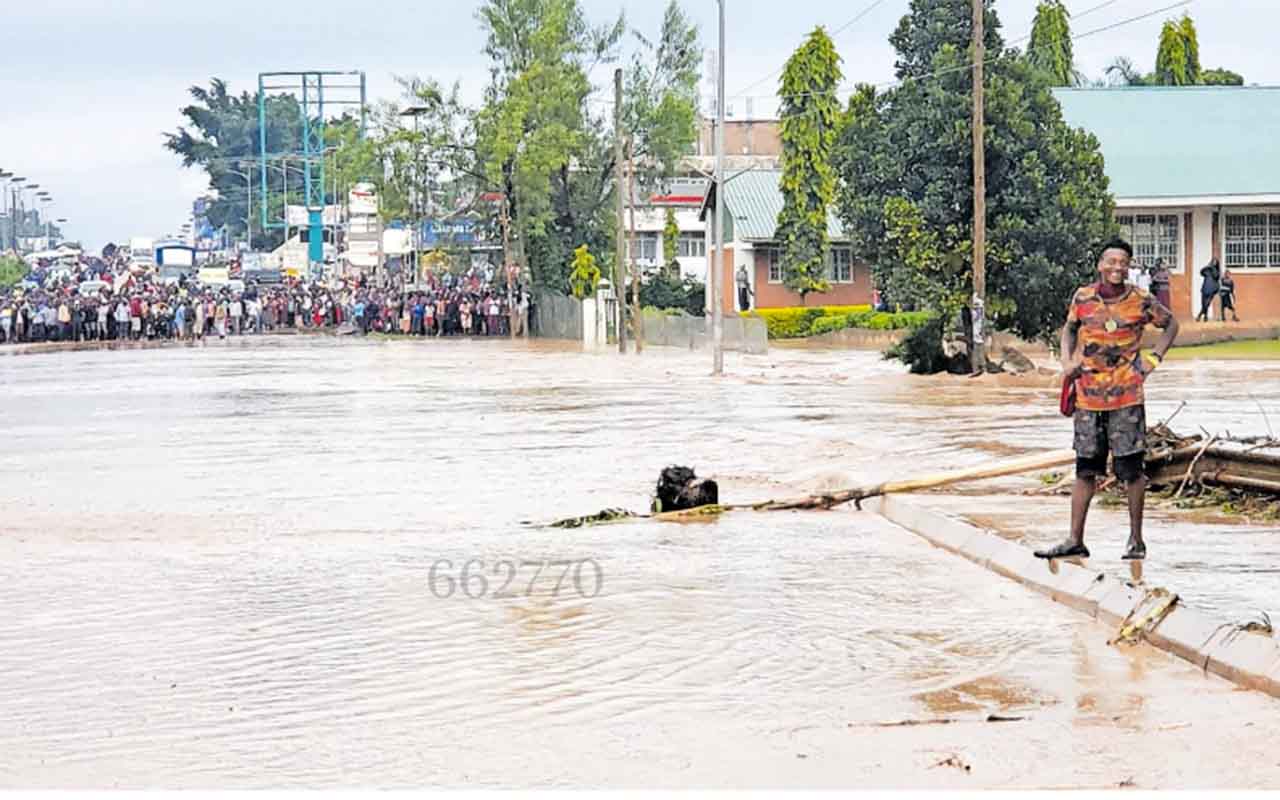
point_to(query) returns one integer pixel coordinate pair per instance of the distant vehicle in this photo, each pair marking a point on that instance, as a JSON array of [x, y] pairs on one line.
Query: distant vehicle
[[142, 251], [264, 277], [213, 276], [92, 287], [174, 262]]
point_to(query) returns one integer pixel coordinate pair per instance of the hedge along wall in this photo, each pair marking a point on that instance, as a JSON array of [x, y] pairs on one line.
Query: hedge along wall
[[798, 322]]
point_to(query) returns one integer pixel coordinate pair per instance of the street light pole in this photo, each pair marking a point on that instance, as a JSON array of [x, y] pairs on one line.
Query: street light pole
[[15, 186], [248, 215], [714, 278], [4, 200]]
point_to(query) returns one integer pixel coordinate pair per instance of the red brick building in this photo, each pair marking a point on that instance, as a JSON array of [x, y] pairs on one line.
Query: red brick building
[[1195, 171], [752, 202]]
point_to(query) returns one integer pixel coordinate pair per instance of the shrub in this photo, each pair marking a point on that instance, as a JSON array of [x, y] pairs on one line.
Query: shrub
[[798, 321], [921, 350], [666, 291], [827, 324]]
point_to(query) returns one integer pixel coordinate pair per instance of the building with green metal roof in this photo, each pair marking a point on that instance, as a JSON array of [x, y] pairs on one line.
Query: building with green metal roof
[[752, 201], [1195, 172]]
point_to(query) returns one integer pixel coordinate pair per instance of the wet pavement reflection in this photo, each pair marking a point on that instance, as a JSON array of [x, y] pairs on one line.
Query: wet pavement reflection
[[304, 562]]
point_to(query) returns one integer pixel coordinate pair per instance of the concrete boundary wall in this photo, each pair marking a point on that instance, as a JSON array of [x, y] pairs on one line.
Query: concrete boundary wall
[[1246, 659], [744, 335]]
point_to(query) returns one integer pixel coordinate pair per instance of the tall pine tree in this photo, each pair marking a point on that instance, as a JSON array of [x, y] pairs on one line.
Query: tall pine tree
[[810, 122], [1178, 54], [1050, 47]]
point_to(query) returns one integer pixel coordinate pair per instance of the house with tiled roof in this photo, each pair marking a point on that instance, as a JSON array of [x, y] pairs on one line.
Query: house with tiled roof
[[752, 200], [1195, 172]]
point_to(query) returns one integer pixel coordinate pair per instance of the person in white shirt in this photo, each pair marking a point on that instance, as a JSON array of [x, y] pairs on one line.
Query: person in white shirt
[[236, 312], [122, 320]]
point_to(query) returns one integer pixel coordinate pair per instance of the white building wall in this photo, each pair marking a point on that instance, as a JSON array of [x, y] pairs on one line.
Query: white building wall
[[1201, 250], [651, 221]]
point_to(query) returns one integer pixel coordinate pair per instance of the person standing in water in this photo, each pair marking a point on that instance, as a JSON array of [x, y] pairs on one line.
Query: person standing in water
[[1100, 347]]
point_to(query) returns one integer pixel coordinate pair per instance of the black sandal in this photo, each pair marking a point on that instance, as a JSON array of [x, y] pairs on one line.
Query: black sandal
[[1135, 553], [1064, 550]]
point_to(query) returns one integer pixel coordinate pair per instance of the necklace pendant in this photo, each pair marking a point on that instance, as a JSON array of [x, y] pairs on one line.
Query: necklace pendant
[[1111, 326]]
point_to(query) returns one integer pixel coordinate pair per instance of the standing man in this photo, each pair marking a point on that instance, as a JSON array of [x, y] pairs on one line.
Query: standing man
[[1211, 274], [1105, 322], [744, 288]]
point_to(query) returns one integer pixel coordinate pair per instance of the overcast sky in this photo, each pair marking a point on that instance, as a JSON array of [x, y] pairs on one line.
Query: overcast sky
[[89, 86]]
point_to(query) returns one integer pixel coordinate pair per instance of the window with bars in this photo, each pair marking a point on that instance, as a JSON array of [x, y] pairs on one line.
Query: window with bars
[[691, 245], [1153, 236], [643, 249], [840, 266], [774, 255], [1251, 240]]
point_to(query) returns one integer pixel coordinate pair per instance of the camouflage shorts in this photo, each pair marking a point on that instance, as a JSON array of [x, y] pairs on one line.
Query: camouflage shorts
[[1122, 432]]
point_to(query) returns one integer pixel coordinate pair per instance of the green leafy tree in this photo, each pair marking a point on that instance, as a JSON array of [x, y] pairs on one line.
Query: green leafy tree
[[810, 120], [1221, 77], [905, 163], [1178, 54], [660, 94], [670, 238], [539, 140], [1050, 47], [584, 275], [418, 151], [221, 136], [546, 143], [12, 270]]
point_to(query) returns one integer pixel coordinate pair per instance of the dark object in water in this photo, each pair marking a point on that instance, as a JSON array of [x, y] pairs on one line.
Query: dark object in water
[[680, 489]]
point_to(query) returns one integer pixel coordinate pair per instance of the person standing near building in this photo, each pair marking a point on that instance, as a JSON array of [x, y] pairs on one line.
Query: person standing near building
[[1208, 289], [1160, 280], [1101, 349], [744, 288], [1227, 297]]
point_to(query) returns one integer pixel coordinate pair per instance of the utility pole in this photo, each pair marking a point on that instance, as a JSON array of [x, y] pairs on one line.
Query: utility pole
[[713, 278], [978, 349], [637, 318], [619, 283]]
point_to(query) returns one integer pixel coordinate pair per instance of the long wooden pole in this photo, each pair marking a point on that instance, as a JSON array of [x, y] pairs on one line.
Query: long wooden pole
[[978, 350], [619, 284], [999, 469], [637, 319]]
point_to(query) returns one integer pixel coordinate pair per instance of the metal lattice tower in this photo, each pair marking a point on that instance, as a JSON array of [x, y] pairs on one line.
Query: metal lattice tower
[[310, 89]]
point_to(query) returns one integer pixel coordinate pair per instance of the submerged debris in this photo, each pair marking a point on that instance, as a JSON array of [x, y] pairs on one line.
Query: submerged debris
[[1155, 605], [607, 515]]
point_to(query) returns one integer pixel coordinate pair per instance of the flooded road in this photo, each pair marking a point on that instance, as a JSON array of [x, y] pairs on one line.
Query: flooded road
[[303, 562]]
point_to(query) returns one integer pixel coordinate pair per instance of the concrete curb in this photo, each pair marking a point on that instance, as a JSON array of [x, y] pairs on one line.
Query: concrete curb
[[1246, 659]]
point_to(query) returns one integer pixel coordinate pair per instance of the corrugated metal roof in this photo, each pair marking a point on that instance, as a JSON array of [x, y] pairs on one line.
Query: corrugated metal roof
[[1182, 141], [754, 199]]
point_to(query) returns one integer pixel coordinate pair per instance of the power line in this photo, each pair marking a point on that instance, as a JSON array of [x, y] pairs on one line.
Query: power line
[[836, 33], [968, 65]]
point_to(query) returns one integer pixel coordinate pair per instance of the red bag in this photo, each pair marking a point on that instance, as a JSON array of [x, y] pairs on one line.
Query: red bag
[[1067, 399]]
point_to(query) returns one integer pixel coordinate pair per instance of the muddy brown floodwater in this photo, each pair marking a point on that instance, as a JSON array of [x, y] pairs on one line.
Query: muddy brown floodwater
[[301, 562]]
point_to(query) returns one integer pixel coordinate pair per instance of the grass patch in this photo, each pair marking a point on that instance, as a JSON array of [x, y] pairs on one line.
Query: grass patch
[[1250, 350]]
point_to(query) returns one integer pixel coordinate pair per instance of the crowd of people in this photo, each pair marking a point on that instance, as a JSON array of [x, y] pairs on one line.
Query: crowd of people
[[100, 300]]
